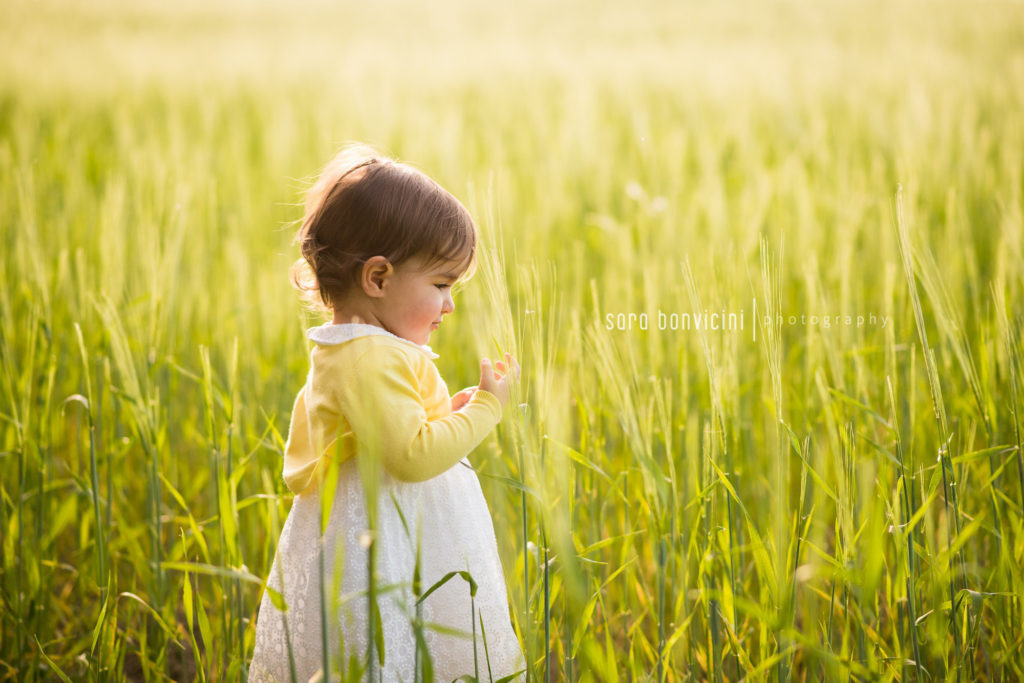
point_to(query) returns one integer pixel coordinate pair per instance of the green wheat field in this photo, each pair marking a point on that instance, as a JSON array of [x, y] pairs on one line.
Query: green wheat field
[[819, 478]]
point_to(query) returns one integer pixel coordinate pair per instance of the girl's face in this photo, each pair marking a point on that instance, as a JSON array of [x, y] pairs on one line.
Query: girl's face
[[416, 298]]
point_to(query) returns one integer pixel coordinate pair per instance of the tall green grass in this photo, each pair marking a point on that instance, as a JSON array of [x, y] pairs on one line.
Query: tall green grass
[[785, 501]]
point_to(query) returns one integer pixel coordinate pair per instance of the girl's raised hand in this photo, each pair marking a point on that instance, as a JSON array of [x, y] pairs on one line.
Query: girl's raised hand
[[496, 380]]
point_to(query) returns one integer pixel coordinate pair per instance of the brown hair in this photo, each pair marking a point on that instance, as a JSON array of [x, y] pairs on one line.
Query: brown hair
[[364, 204]]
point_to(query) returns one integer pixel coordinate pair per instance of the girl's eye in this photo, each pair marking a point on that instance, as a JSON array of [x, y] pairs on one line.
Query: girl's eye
[[443, 286]]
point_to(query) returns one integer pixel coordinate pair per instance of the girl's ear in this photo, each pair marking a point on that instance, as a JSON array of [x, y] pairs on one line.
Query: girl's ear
[[376, 271]]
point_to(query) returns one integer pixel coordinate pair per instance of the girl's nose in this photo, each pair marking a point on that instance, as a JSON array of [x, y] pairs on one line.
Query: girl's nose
[[448, 305]]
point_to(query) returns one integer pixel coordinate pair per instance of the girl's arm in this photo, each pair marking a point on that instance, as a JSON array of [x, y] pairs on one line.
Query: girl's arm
[[381, 400]]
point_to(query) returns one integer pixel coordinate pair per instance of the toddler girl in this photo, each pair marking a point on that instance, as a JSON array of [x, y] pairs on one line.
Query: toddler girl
[[375, 442]]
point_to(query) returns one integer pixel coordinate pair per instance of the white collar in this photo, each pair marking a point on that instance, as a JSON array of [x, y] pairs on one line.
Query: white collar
[[330, 334]]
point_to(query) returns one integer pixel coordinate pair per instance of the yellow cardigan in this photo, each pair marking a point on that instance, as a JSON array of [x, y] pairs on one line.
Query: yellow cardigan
[[371, 392]]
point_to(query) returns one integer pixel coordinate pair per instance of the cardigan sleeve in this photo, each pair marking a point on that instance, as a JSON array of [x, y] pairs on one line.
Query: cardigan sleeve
[[301, 459], [382, 403]]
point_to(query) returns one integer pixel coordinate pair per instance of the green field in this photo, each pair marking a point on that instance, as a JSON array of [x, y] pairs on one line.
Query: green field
[[834, 490]]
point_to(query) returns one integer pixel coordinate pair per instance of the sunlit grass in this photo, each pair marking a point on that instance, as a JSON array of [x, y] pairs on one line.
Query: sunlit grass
[[788, 500]]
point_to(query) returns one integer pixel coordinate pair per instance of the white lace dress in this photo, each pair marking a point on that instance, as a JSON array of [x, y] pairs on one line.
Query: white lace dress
[[457, 535]]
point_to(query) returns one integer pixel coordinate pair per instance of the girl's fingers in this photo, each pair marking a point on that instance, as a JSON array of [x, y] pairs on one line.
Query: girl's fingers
[[508, 368]]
